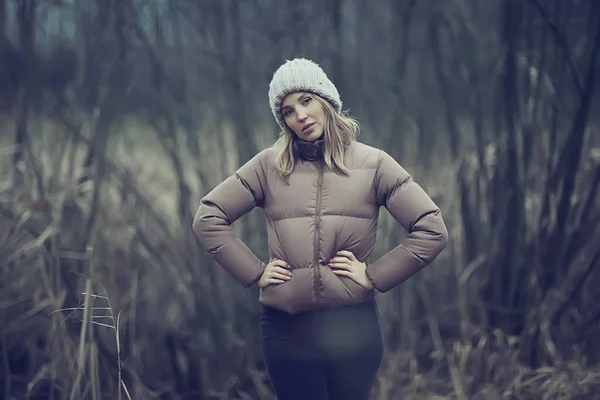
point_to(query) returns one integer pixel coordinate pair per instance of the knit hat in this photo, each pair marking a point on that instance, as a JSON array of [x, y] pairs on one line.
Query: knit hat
[[300, 75]]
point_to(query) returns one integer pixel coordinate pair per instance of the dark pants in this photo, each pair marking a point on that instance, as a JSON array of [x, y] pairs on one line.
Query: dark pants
[[331, 354]]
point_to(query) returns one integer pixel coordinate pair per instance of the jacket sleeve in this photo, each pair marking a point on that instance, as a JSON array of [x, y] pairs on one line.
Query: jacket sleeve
[[408, 203], [220, 208]]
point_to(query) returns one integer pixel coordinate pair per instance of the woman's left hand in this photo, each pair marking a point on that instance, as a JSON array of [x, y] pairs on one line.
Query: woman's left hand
[[346, 264]]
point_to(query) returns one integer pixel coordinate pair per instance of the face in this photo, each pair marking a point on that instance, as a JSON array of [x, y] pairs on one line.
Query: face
[[304, 115]]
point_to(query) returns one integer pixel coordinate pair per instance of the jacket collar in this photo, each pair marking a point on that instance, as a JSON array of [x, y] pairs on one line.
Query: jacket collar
[[310, 151]]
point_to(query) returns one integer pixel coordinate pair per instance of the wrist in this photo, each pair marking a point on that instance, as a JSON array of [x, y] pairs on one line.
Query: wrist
[[368, 284]]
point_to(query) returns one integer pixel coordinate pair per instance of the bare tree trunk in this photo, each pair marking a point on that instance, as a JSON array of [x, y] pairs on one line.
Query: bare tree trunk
[[402, 11], [2, 19], [296, 17], [507, 265], [468, 208], [572, 153], [336, 51], [26, 13]]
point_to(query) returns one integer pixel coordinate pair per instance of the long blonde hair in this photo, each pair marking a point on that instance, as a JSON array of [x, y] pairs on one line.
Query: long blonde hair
[[339, 132]]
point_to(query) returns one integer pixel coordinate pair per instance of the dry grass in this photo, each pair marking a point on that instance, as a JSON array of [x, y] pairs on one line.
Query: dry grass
[[101, 315], [486, 368]]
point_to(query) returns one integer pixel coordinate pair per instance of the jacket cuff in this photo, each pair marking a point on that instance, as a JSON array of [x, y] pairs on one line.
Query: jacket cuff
[[370, 278], [257, 278], [393, 268]]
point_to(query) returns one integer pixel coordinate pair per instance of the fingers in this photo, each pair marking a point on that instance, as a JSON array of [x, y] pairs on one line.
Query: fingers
[[277, 272], [347, 254], [276, 281], [282, 270], [340, 265], [342, 272], [281, 275], [340, 260], [280, 263], [277, 278]]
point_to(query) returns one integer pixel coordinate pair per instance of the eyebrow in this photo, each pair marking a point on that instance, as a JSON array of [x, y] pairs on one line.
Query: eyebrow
[[298, 98]]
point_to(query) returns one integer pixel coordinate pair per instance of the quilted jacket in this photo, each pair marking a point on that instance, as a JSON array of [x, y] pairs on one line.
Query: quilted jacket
[[317, 214]]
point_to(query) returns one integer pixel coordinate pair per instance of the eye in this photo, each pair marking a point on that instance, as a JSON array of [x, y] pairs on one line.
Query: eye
[[306, 100], [287, 112]]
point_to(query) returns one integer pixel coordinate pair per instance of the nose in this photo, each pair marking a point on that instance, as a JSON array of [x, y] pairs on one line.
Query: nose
[[301, 116]]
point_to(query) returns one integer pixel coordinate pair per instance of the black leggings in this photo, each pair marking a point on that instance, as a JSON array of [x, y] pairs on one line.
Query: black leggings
[[331, 354]]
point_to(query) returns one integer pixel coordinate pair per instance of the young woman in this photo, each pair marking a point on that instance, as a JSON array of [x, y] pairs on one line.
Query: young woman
[[321, 191]]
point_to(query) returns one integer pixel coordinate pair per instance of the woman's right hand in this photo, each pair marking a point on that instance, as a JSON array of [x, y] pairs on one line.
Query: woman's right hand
[[276, 272]]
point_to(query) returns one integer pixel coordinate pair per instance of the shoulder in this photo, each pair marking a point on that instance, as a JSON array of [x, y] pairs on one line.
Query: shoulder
[[261, 162], [263, 158], [265, 154], [366, 156], [370, 157]]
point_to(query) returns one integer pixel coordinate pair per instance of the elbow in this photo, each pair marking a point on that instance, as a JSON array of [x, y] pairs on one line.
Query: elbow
[[202, 225], [199, 227], [433, 236], [440, 233], [442, 237], [209, 225]]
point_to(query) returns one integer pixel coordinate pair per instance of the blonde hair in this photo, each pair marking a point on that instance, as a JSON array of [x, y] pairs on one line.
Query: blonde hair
[[339, 132]]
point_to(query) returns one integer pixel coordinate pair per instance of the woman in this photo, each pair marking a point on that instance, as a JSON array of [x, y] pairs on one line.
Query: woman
[[321, 191]]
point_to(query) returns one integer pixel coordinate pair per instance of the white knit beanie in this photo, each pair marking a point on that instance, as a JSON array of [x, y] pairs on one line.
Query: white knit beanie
[[300, 75]]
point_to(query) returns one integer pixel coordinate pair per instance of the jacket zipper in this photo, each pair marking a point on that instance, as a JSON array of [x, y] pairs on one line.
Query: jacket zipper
[[317, 274]]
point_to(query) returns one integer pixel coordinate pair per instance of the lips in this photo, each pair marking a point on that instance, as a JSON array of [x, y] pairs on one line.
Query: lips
[[307, 126]]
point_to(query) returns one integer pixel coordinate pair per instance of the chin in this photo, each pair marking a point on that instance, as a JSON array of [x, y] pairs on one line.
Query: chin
[[313, 136]]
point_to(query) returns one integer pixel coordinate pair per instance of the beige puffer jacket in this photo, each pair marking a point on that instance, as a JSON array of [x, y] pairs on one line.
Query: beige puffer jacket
[[316, 215]]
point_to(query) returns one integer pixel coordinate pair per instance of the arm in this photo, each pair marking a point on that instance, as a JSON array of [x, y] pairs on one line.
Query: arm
[[221, 207], [408, 203]]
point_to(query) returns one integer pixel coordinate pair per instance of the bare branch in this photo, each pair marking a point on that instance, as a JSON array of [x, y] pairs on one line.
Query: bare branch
[[561, 40]]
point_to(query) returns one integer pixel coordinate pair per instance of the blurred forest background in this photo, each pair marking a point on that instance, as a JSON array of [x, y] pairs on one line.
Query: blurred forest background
[[116, 116]]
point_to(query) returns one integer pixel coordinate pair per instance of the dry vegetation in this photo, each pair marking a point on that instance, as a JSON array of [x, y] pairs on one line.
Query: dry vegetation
[[105, 293]]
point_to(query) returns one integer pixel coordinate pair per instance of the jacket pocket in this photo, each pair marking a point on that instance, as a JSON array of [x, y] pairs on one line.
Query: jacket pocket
[[293, 296], [277, 295], [340, 290]]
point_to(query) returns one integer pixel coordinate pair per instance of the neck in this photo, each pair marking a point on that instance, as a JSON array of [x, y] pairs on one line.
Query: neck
[[310, 151]]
